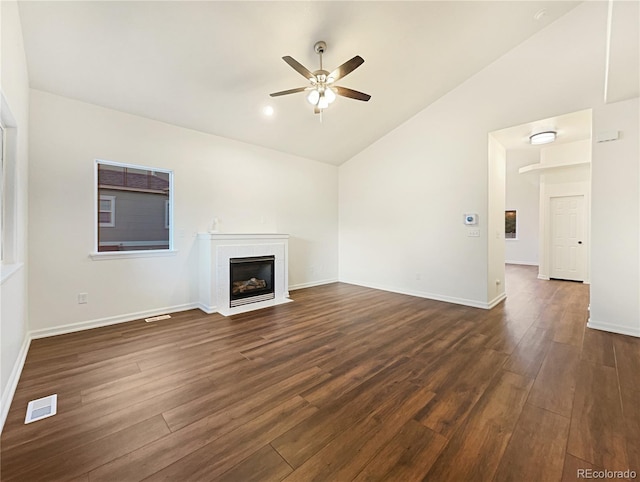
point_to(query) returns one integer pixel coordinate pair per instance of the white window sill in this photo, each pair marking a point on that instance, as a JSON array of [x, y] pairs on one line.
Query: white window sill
[[9, 270], [511, 239], [151, 253]]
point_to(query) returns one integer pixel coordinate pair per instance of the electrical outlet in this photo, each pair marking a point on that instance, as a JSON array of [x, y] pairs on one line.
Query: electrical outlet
[[83, 298]]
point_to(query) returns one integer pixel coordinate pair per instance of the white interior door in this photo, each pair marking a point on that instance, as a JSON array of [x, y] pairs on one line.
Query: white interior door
[[568, 252]]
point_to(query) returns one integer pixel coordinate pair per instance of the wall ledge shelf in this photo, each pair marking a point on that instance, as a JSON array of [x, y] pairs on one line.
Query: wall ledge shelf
[[545, 167]]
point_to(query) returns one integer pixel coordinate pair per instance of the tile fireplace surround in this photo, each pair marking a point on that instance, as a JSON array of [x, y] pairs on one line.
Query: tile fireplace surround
[[215, 251]]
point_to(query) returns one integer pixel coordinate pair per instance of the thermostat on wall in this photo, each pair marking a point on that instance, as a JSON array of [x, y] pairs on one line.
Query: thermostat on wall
[[470, 219]]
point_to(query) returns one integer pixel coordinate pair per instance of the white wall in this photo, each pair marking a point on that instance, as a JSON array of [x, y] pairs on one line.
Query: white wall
[[615, 222], [14, 84], [570, 152], [250, 189], [402, 199], [522, 193]]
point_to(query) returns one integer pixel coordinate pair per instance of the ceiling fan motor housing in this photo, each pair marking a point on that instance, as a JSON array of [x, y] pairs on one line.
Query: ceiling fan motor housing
[[320, 47]]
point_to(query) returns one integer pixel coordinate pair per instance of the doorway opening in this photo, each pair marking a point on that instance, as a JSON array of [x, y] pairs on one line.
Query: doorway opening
[[549, 187]]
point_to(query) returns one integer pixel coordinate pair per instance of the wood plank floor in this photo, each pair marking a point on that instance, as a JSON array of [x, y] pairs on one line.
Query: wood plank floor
[[347, 383]]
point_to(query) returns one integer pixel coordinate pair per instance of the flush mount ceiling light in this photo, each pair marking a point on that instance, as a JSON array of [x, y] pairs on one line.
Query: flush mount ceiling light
[[322, 90], [542, 137]]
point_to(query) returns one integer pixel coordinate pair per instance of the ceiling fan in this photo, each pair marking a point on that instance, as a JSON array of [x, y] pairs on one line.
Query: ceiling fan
[[322, 91]]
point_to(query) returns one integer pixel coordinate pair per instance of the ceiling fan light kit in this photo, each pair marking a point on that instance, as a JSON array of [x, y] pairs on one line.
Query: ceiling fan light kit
[[322, 91]]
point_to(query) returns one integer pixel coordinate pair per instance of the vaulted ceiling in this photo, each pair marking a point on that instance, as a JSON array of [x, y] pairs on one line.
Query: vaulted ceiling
[[210, 66]]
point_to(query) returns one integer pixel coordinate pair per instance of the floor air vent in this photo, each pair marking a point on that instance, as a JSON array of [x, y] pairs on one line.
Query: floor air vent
[[157, 318], [41, 408]]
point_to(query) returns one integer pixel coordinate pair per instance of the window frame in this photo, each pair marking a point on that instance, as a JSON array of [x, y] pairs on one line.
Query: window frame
[[11, 261], [112, 211], [3, 201], [98, 255], [515, 234]]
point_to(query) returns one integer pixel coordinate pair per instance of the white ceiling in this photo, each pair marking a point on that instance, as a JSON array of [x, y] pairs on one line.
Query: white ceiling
[[210, 66]]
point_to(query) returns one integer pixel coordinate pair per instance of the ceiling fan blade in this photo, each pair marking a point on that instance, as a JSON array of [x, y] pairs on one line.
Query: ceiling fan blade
[[353, 94], [290, 91], [298, 67], [346, 68]]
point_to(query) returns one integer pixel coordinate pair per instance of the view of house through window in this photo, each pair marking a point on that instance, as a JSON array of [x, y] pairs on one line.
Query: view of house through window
[[134, 208], [510, 218]]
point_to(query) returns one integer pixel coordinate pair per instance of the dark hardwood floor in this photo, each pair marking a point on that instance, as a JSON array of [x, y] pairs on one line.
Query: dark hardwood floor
[[347, 383]]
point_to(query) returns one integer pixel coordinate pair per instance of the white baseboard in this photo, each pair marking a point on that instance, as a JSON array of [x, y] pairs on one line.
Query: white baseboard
[[12, 383], [613, 328], [543, 277], [111, 320], [494, 302], [209, 310], [311, 284], [523, 263], [430, 296]]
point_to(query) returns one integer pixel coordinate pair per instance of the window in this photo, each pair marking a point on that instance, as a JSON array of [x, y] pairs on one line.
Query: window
[[107, 211], [510, 224], [133, 210], [9, 256]]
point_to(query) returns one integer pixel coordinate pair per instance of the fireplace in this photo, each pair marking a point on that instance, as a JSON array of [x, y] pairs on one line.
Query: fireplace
[[218, 256], [251, 279]]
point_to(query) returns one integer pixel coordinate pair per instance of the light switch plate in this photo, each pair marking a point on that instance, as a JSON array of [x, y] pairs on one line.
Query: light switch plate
[[473, 233]]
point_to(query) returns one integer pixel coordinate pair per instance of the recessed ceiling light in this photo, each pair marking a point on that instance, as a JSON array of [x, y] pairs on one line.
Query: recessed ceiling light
[[268, 111], [542, 137]]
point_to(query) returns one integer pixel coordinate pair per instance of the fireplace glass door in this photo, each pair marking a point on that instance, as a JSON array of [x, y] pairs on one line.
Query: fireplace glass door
[[251, 280]]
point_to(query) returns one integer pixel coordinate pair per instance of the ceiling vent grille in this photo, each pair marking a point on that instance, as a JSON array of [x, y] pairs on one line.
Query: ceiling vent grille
[[41, 408]]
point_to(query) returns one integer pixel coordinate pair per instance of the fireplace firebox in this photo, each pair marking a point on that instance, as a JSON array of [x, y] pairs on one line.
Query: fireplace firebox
[[251, 280]]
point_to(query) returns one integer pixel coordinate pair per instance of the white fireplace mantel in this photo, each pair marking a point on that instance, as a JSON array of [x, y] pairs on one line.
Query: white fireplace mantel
[[215, 251]]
